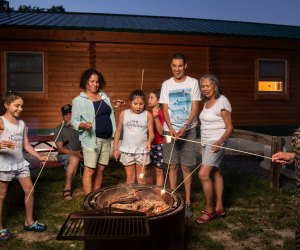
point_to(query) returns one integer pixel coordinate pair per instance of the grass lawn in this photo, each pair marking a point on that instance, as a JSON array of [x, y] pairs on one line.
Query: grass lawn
[[257, 216]]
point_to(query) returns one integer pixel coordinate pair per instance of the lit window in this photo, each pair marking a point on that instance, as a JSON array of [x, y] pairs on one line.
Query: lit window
[[271, 79], [271, 86], [24, 72]]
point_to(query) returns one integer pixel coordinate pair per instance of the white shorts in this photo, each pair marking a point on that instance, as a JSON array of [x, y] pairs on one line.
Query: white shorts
[[22, 172], [128, 159]]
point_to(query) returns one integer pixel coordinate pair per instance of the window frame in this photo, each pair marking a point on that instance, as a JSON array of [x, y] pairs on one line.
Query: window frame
[[33, 94], [280, 95]]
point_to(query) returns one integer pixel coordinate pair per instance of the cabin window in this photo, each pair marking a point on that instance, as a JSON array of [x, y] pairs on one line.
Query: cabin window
[[271, 79], [25, 72]]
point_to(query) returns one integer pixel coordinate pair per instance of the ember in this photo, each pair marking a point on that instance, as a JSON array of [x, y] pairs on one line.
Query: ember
[[144, 205], [138, 202]]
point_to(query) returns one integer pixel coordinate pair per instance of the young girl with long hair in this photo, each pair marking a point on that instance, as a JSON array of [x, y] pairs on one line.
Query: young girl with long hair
[[157, 145], [137, 125], [13, 139]]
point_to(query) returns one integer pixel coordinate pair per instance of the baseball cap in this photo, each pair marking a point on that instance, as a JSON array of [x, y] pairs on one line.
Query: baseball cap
[[66, 109]]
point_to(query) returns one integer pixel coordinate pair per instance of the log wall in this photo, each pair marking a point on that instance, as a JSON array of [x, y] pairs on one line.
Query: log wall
[[121, 58]]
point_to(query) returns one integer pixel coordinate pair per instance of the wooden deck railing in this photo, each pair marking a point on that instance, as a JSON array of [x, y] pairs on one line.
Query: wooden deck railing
[[275, 142]]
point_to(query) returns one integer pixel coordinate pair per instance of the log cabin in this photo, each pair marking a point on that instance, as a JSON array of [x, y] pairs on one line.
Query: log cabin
[[43, 55]]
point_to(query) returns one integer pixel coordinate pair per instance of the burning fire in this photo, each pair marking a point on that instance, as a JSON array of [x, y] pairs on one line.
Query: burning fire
[[139, 203]]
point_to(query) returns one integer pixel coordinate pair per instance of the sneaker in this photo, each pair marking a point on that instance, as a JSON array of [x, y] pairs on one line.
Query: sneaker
[[188, 211], [5, 234], [36, 227]]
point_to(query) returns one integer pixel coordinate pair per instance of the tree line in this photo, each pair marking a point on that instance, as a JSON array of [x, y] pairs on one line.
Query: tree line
[[4, 6]]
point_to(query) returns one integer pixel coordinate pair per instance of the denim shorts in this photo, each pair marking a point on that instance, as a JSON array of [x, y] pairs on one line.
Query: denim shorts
[[100, 155], [64, 159], [212, 159]]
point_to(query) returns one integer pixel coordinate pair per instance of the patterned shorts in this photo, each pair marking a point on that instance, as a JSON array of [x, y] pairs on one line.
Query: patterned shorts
[[157, 155]]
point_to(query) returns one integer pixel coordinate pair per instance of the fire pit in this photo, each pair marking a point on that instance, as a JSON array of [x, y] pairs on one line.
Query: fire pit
[[139, 218]]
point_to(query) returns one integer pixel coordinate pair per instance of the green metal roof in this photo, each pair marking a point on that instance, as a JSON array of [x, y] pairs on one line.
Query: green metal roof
[[149, 24]]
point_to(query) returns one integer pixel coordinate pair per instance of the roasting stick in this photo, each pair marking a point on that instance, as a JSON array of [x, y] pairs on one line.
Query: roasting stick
[[44, 163], [232, 149], [142, 79], [186, 178], [141, 175], [163, 191]]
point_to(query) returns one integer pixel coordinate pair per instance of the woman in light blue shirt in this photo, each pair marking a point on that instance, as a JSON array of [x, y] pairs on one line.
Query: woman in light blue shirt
[[93, 117]]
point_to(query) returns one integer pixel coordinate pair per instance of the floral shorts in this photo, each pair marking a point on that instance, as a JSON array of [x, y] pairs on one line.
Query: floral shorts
[[157, 155]]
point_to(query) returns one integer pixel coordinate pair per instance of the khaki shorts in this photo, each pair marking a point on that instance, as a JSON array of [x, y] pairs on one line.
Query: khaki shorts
[[100, 155]]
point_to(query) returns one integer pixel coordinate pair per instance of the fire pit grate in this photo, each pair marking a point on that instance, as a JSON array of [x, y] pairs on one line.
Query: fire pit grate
[[104, 224]]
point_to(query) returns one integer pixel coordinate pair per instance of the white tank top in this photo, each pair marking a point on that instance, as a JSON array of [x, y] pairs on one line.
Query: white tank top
[[12, 158], [135, 132]]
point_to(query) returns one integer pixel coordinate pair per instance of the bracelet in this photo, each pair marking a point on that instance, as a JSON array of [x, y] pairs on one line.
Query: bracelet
[[115, 150], [185, 125]]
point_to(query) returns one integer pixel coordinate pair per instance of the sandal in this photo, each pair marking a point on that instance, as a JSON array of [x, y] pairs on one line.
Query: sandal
[[36, 227], [221, 213], [5, 234], [67, 194], [210, 216]]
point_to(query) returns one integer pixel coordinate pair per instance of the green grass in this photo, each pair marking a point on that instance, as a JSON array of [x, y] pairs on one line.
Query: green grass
[[257, 216]]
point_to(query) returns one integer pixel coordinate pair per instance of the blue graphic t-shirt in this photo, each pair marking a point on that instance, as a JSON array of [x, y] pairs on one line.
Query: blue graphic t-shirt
[[179, 97], [180, 105]]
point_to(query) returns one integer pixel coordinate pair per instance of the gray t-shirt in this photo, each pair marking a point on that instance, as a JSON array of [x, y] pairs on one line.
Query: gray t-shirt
[[69, 136]]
